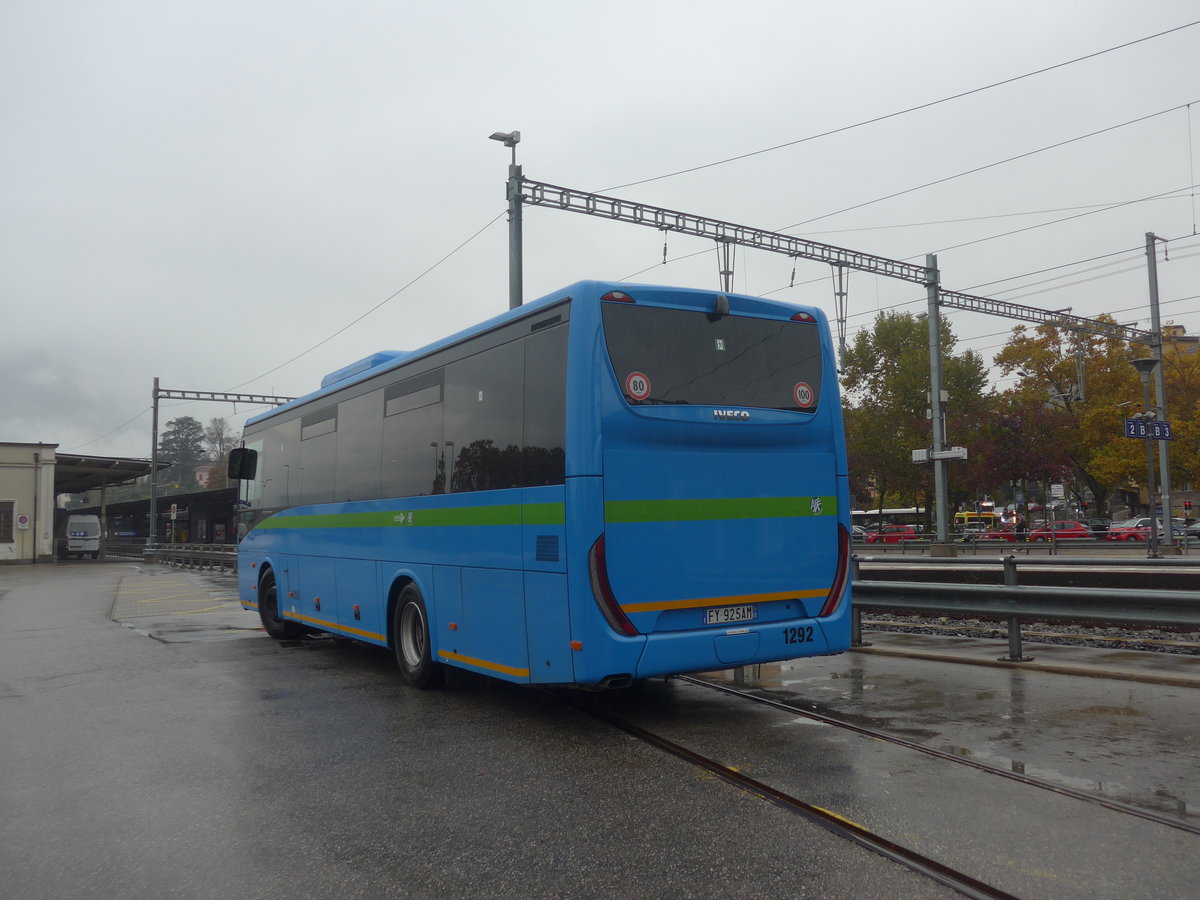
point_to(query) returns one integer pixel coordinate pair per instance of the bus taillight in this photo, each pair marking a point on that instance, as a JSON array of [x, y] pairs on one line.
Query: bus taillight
[[839, 578], [602, 591], [618, 297]]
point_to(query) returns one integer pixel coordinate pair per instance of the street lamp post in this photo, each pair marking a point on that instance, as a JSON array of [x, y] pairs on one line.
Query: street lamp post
[[1145, 366], [510, 139]]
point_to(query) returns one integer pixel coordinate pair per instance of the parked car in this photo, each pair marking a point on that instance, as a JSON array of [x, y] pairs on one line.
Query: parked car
[[1060, 530], [858, 533], [972, 530], [1004, 533], [894, 534], [1099, 526], [1139, 529]]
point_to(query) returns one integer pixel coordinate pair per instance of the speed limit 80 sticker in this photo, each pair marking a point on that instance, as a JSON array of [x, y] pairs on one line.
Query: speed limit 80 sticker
[[637, 385]]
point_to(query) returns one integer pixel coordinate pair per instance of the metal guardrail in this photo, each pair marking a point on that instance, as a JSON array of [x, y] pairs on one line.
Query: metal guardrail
[[920, 545], [193, 556], [1115, 562], [1014, 602]]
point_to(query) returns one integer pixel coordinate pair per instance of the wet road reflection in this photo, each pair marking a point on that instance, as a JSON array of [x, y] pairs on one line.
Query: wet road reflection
[[1132, 742]]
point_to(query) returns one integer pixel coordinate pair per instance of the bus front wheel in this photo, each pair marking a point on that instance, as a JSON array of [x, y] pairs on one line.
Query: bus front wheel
[[411, 640], [268, 611]]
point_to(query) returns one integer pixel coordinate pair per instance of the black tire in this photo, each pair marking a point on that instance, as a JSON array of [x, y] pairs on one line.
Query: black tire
[[268, 611], [411, 640]]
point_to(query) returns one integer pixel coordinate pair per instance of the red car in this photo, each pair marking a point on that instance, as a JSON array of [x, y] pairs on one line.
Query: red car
[[1061, 530], [1139, 529], [894, 534], [1130, 530], [1006, 533]]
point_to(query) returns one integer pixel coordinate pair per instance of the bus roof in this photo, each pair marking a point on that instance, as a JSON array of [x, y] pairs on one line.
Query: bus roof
[[386, 360]]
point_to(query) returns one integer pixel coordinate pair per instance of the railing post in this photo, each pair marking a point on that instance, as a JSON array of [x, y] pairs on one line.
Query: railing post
[[856, 638], [1014, 622]]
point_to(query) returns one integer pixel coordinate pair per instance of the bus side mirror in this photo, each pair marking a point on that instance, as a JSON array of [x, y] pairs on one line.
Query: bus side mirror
[[243, 464]]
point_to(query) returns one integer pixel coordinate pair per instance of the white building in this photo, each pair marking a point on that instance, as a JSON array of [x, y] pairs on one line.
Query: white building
[[27, 502], [31, 477]]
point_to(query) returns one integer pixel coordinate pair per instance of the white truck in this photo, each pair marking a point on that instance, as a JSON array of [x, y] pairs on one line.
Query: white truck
[[81, 536]]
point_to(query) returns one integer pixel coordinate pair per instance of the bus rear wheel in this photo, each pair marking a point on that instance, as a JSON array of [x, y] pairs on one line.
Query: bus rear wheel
[[411, 640], [268, 611]]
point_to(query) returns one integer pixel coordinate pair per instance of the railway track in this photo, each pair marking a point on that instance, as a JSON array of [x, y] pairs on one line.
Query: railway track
[[892, 848], [874, 734], [947, 876]]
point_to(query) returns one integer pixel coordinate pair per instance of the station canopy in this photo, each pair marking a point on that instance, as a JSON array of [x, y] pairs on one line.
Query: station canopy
[[74, 474]]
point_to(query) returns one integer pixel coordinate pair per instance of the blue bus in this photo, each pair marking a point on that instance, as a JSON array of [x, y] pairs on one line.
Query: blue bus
[[610, 483]]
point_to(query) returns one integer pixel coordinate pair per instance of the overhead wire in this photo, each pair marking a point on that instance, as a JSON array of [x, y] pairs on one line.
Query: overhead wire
[[766, 150], [377, 306], [987, 166], [1051, 222], [128, 421], [892, 115]]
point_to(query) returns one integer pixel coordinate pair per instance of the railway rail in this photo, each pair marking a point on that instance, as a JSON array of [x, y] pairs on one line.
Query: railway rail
[[943, 873]]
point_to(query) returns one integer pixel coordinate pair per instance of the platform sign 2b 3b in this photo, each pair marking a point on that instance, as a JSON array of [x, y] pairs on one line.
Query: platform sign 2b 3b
[[1148, 428]]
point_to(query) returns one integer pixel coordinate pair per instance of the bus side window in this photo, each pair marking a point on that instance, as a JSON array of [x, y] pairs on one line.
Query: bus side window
[[414, 459], [484, 419]]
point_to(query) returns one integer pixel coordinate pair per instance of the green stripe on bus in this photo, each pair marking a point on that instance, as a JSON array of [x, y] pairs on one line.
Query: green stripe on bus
[[625, 511], [508, 514]]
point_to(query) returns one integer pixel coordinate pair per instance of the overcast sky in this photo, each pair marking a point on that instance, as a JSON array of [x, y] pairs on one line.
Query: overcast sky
[[202, 191]]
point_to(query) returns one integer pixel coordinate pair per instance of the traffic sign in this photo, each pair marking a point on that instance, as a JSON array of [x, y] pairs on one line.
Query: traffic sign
[[1152, 428]]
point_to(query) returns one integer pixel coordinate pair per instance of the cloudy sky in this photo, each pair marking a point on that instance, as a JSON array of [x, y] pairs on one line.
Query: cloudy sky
[[203, 192]]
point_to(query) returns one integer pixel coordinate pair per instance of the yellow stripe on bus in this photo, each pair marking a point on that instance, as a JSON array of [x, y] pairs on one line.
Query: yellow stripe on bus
[[484, 664], [333, 626], [659, 606]]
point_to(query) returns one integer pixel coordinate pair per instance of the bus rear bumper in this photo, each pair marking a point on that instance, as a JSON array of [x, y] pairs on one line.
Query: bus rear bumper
[[696, 651]]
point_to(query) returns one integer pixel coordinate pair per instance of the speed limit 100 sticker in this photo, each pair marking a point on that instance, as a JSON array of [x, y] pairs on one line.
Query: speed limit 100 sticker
[[804, 394], [637, 386]]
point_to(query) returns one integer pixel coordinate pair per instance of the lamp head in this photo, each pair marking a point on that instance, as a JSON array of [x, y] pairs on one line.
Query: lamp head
[[1145, 365], [508, 139]]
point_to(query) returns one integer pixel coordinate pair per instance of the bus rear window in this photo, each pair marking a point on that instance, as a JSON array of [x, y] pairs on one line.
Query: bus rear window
[[677, 356]]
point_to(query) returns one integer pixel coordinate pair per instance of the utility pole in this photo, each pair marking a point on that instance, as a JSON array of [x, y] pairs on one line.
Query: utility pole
[[1145, 366], [515, 286], [152, 534], [936, 412], [1156, 348]]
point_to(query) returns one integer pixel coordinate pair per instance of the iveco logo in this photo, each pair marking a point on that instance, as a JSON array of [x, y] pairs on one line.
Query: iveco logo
[[730, 414]]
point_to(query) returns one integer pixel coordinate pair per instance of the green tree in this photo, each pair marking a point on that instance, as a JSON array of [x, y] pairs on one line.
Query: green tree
[[885, 377], [1181, 370], [182, 444], [1089, 430], [219, 439]]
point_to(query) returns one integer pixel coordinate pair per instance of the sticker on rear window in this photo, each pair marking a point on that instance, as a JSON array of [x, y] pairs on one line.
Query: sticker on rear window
[[804, 394], [637, 386]]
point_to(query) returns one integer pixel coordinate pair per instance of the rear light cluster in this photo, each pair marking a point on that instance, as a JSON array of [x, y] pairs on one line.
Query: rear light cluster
[[843, 571], [602, 591], [804, 317], [618, 297]]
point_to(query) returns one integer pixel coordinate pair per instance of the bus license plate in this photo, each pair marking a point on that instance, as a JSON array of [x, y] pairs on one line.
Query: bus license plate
[[725, 614]]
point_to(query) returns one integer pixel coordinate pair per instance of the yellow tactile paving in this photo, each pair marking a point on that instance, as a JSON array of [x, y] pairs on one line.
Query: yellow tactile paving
[[150, 595]]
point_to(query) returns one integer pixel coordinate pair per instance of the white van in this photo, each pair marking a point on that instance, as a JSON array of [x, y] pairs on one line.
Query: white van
[[83, 536]]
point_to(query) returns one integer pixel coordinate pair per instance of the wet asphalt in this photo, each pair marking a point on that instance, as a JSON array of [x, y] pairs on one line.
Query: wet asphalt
[[153, 742]]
